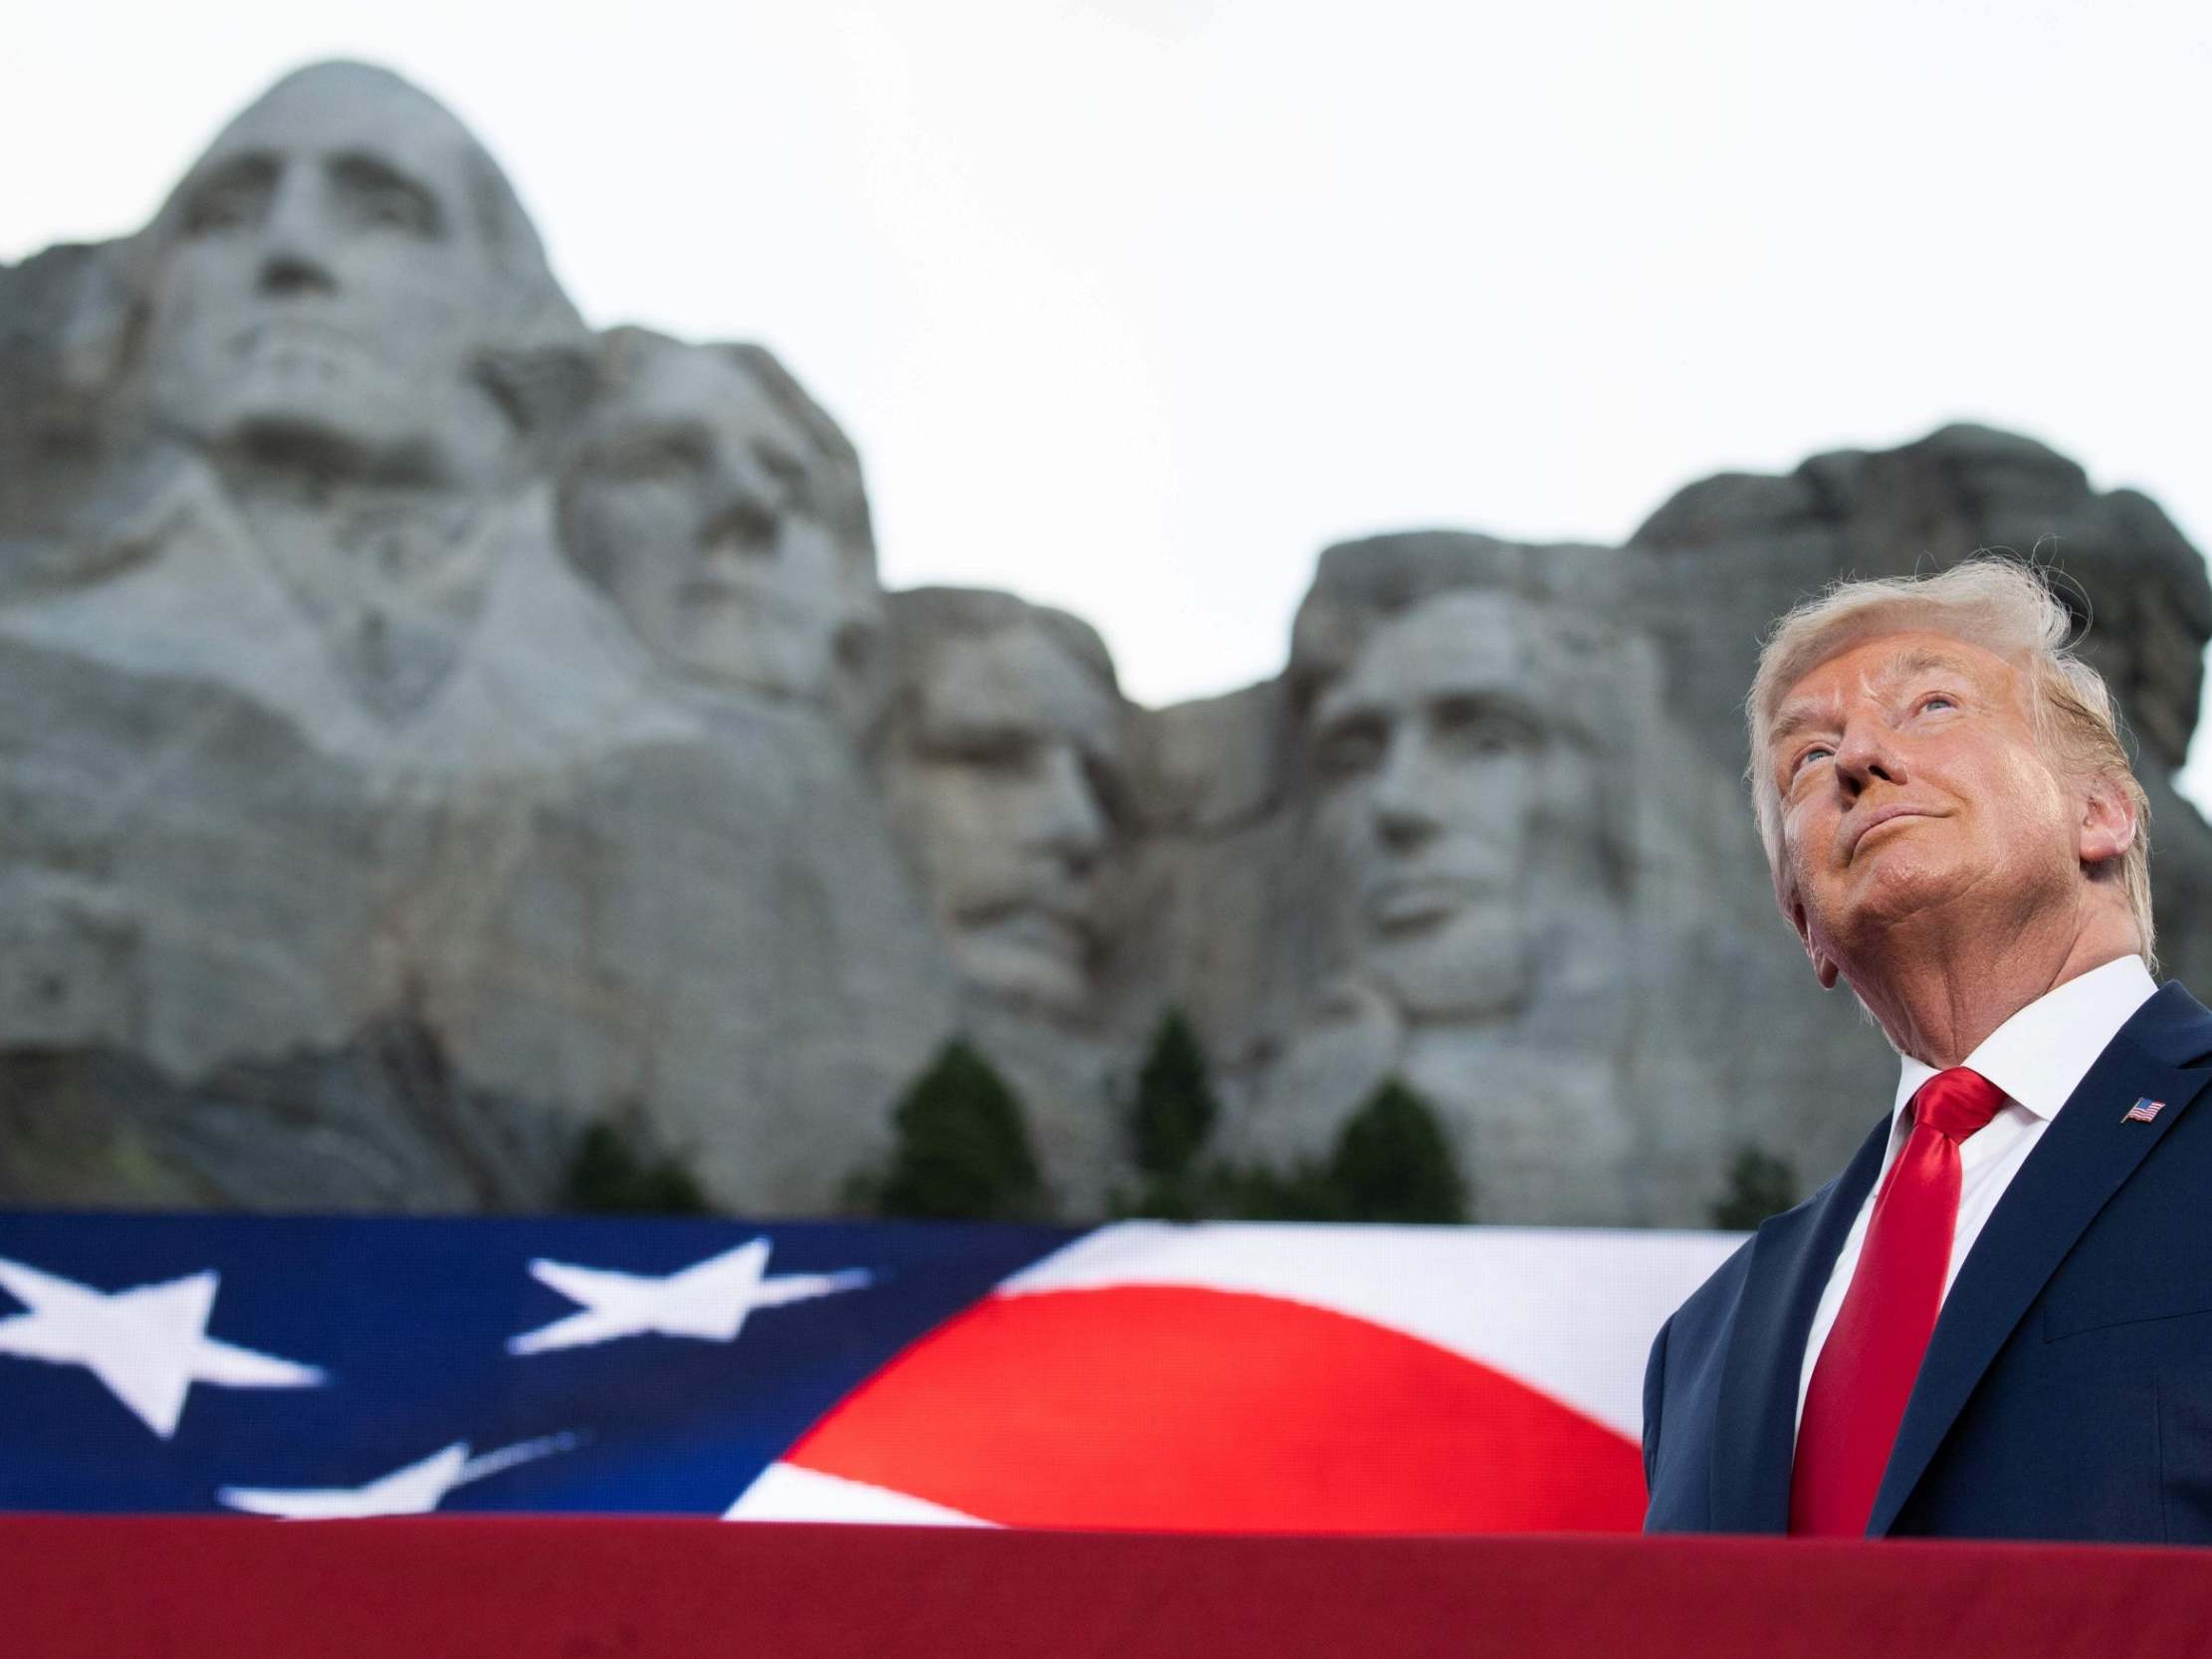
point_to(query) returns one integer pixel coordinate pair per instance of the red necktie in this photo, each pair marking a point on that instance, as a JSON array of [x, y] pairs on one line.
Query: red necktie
[[1865, 1370]]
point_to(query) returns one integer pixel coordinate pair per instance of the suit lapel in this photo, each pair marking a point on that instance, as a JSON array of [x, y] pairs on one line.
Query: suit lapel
[[2082, 1159], [1791, 1259]]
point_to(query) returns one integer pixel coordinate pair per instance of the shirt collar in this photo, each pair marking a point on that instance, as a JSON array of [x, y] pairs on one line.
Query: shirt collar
[[2040, 1055]]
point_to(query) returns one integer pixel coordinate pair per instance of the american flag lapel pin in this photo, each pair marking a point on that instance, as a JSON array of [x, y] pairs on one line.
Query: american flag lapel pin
[[2143, 1111]]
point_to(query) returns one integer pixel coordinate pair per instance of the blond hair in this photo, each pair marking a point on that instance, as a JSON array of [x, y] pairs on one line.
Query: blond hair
[[2008, 610]]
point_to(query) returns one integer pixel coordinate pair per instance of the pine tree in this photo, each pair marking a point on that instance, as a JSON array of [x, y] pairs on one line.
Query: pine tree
[[1168, 1121], [1393, 1163], [1257, 1192], [1759, 1185], [962, 1152], [608, 1176]]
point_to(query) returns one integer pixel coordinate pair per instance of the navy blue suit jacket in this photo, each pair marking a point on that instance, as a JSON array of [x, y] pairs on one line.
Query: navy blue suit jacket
[[2066, 1392]]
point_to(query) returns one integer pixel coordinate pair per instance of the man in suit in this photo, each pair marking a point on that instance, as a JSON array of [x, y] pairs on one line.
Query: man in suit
[[1997, 1321]]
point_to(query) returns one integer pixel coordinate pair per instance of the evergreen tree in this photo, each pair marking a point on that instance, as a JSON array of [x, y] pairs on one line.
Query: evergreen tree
[[1393, 1163], [1176, 1106], [608, 1176], [1759, 1185], [962, 1152], [1256, 1192]]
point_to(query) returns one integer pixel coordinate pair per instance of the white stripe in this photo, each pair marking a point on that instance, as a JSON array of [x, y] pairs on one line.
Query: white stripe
[[1569, 1311], [785, 1492]]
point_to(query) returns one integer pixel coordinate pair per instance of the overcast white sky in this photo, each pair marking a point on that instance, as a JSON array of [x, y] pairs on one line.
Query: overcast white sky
[[1133, 306]]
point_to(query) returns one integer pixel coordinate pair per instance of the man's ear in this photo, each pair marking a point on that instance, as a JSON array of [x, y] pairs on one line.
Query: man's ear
[[1824, 965], [2109, 826]]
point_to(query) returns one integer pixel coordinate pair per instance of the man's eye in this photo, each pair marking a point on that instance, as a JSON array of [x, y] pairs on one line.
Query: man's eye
[[372, 196], [1003, 753], [1351, 749], [1937, 700], [1806, 756], [1482, 726], [652, 460], [230, 208], [392, 208]]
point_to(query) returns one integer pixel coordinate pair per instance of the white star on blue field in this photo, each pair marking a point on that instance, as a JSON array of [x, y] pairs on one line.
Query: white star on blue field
[[709, 1300], [147, 1345], [305, 1367]]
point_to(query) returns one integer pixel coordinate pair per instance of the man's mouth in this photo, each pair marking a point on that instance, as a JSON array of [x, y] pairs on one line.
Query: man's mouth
[[715, 590], [1879, 818], [1050, 930], [300, 343], [1417, 901]]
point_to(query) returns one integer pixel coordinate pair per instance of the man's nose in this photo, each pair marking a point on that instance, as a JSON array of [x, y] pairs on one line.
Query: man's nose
[[295, 255], [1404, 795], [736, 516], [1068, 822], [1867, 753]]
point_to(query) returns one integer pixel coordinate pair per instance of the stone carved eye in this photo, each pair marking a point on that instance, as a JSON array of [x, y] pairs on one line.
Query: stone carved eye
[[372, 196], [653, 456], [235, 200], [1352, 747], [786, 468], [1004, 752], [1479, 727]]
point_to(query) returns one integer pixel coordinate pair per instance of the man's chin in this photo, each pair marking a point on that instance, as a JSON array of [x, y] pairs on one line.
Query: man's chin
[[1895, 896], [1476, 965], [734, 647], [343, 421], [300, 432]]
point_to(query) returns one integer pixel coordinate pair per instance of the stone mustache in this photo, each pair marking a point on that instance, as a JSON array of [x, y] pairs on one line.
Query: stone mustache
[[428, 726]]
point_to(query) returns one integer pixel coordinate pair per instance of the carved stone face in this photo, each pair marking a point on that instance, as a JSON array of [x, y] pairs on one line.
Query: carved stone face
[[1001, 781], [1427, 753], [326, 285], [697, 504]]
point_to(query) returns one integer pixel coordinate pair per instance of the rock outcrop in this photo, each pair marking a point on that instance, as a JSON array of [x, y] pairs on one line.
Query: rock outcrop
[[429, 728]]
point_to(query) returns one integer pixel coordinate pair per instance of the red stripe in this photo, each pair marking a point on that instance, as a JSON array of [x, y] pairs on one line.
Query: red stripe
[[1144, 1406]]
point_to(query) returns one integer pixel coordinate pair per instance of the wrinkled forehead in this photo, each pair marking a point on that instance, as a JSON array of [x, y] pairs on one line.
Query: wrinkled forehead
[[1882, 666], [339, 111], [1017, 680], [1460, 645]]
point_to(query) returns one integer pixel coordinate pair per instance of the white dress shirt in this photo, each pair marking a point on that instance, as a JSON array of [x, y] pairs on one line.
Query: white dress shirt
[[2037, 1058]]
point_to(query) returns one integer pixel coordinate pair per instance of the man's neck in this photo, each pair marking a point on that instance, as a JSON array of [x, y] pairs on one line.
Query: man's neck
[[1938, 997]]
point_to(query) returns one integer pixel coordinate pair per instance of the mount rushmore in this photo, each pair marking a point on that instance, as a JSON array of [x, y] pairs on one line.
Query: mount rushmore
[[428, 726]]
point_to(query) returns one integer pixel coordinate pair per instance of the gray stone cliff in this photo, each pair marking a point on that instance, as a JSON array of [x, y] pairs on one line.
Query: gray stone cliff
[[428, 726]]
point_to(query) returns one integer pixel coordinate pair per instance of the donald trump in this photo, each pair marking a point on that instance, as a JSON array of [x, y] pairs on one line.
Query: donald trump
[[1997, 1321]]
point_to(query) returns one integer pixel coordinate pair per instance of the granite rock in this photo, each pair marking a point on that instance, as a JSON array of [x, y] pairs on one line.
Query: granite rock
[[429, 728]]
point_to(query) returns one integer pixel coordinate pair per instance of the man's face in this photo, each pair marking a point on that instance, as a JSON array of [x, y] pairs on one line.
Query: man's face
[[1913, 788], [1426, 755], [692, 497], [1002, 790], [328, 286]]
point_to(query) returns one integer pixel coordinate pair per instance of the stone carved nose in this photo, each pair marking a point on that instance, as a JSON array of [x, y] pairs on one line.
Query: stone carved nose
[[291, 240], [740, 521], [1403, 831], [1402, 799], [285, 274], [1069, 824]]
